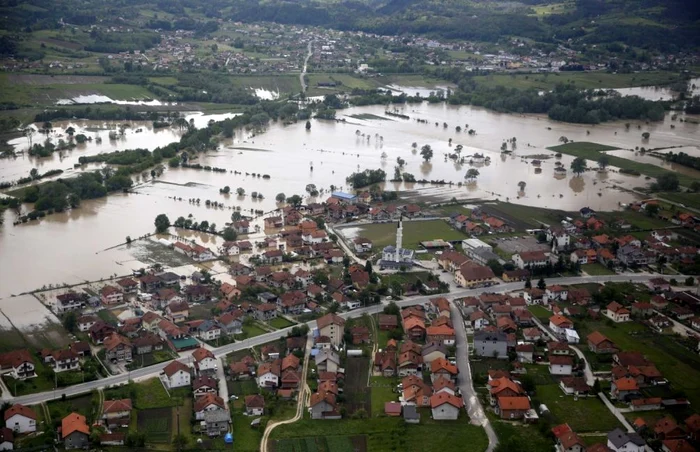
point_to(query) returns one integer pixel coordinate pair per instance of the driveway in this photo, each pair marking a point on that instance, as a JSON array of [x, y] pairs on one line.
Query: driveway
[[464, 379]]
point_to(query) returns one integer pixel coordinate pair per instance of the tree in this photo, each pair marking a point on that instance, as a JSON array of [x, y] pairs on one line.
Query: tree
[[522, 185], [70, 322], [204, 225], [541, 284], [596, 387], [667, 182], [528, 283], [603, 161], [229, 234], [226, 190], [495, 267], [504, 146], [368, 267], [563, 139], [646, 135], [579, 165], [34, 173], [427, 152], [162, 223], [690, 281], [280, 197], [472, 174], [128, 239], [652, 210], [294, 200], [308, 125], [240, 191], [179, 441]]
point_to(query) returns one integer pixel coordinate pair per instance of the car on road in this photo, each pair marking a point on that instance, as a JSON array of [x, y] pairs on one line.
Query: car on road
[[233, 397]]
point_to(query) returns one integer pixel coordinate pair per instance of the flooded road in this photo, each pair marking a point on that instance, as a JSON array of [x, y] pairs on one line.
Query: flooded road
[[294, 157]]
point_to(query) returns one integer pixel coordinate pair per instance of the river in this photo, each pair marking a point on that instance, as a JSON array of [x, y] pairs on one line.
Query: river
[[69, 247]]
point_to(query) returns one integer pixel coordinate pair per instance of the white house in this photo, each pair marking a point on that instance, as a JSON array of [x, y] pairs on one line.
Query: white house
[[209, 330], [617, 313], [619, 440], [207, 403], [20, 419], [362, 245], [85, 322], [314, 237], [268, 375], [254, 405], [560, 365], [204, 360], [558, 238], [445, 406], [559, 324], [556, 293], [177, 375], [530, 259]]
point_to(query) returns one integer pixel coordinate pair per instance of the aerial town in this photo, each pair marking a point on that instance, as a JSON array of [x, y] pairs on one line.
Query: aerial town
[[583, 331]]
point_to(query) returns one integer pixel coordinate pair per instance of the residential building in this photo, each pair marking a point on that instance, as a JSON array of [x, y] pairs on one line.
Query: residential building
[[268, 374], [530, 259], [111, 295], [207, 403], [204, 360], [559, 324], [560, 365], [598, 343], [474, 275], [70, 301], [117, 348], [20, 419], [177, 311], [491, 344], [19, 364], [333, 327], [75, 433], [265, 312], [204, 384], [216, 422], [623, 388], [619, 440], [617, 312], [513, 407], [254, 405], [327, 361], [323, 406], [177, 375], [117, 413], [445, 406]]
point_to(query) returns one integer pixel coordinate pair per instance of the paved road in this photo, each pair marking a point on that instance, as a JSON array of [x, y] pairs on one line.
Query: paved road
[[154, 370], [466, 385], [303, 70]]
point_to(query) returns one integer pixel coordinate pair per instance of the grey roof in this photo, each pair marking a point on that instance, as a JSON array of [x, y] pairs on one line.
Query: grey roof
[[619, 438], [169, 276], [216, 416], [330, 355], [487, 254], [490, 336], [267, 296], [410, 412], [434, 346]]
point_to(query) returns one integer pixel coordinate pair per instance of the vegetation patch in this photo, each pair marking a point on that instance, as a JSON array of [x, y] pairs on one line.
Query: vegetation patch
[[587, 414], [156, 423], [414, 232]]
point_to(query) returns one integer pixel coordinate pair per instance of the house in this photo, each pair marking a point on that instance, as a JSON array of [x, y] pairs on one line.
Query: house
[[63, 360], [19, 363], [177, 375], [513, 407], [323, 406], [415, 391], [70, 301], [598, 343], [177, 311], [559, 324], [268, 374], [667, 428], [204, 384], [82, 348], [231, 322], [558, 238], [387, 322], [532, 334], [150, 283], [567, 440], [409, 362], [269, 352], [617, 313], [519, 274], [530, 259], [473, 275], [204, 360], [327, 361], [441, 368], [20, 419], [229, 291], [432, 351], [385, 362], [265, 312], [362, 245], [128, 285], [332, 326], [623, 388], [209, 330], [692, 424], [677, 445], [556, 293], [575, 385], [642, 309], [216, 422], [414, 327], [660, 323], [197, 293], [491, 344], [360, 335], [110, 295], [254, 405], [525, 353], [207, 403], [117, 348], [75, 432], [445, 406], [619, 440], [7, 439], [116, 413], [560, 365], [646, 404], [86, 322], [392, 409], [273, 256], [410, 414]]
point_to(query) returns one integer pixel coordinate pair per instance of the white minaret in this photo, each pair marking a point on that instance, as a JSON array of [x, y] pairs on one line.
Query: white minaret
[[399, 240]]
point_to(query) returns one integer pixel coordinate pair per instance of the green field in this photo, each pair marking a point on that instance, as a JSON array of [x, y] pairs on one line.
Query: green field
[[583, 415], [252, 330], [321, 444], [414, 232], [280, 323], [350, 82], [247, 438], [687, 199], [382, 391], [677, 364], [596, 269], [521, 437], [583, 80], [392, 434], [242, 387], [156, 424], [540, 312], [592, 151]]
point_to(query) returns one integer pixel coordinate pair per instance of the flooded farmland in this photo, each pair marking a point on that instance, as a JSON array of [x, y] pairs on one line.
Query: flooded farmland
[[294, 157]]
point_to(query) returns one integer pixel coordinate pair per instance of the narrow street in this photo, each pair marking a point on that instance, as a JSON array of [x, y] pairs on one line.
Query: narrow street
[[303, 70], [466, 385]]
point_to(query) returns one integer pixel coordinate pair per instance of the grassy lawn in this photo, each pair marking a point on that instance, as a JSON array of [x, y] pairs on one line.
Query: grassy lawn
[[242, 387], [42, 382], [391, 434], [152, 394], [636, 219], [414, 232], [252, 330], [528, 437], [677, 364], [596, 269], [687, 199], [583, 80], [524, 217], [280, 323], [247, 439], [83, 404], [540, 312], [592, 151], [156, 423], [382, 391], [583, 415]]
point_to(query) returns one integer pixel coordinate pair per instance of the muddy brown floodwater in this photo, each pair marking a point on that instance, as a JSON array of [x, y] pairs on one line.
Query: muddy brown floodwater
[[68, 247]]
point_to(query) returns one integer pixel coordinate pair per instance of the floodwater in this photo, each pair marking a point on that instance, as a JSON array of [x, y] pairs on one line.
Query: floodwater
[[646, 158], [294, 157], [100, 99], [418, 90], [659, 92]]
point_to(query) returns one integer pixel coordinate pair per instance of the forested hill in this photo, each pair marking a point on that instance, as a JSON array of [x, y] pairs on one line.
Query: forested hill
[[665, 25]]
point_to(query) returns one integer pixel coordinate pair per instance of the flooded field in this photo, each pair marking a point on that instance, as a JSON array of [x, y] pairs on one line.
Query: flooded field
[[646, 158], [294, 157]]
